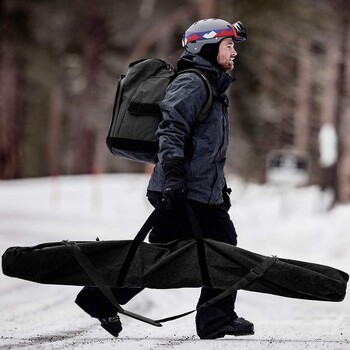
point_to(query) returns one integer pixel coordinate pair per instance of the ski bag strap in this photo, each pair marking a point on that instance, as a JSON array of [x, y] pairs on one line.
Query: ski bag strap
[[99, 282], [256, 272], [197, 233], [253, 274], [141, 235], [147, 226]]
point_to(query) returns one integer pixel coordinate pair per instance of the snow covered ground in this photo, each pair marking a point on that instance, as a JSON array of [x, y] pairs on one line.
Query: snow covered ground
[[291, 224]]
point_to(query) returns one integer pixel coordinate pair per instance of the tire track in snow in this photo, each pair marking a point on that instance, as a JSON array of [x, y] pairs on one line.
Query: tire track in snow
[[43, 340], [29, 305], [18, 287], [171, 343]]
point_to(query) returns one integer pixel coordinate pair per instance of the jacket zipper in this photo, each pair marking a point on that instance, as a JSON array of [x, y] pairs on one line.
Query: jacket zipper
[[220, 148]]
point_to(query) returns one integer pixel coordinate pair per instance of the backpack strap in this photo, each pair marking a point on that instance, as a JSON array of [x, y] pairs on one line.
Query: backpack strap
[[203, 114]]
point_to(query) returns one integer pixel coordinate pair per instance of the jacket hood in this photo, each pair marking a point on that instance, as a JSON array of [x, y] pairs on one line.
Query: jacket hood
[[219, 79]]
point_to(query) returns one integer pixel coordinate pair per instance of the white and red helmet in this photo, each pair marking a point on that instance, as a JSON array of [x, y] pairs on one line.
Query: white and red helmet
[[211, 31]]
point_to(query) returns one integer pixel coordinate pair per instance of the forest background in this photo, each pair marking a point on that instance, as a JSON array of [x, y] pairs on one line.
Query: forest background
[[60, 61]]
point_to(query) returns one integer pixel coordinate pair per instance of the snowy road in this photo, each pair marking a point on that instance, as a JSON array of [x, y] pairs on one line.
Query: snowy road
[[290, 225]]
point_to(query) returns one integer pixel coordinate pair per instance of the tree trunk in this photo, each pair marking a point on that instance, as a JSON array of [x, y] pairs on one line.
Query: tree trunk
[[207, 9], [343, 109], [84, 125], [302, 99], [10, 110], [54, 131], [328, 144]]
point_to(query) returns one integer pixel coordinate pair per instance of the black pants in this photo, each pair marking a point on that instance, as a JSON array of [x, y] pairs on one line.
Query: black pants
[[174, 224]]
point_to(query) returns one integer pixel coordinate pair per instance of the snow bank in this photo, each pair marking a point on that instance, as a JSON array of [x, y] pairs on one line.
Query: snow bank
[[290, 223]]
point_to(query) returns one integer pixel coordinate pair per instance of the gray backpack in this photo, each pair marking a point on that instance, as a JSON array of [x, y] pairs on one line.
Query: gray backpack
[[136, 112]]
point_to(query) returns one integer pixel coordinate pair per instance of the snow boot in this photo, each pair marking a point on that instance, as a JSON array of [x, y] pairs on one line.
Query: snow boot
[[112, 325], [215, 323]]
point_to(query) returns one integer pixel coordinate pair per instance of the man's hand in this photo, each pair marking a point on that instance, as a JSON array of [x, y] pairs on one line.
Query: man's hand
[[226, 191], [175, 188], [175, 192]]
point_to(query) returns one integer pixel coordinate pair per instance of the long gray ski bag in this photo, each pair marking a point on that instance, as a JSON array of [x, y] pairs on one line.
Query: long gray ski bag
[[185, 263]]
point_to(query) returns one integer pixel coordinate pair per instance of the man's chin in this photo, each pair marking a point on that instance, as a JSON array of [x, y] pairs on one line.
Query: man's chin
[[230, 67]]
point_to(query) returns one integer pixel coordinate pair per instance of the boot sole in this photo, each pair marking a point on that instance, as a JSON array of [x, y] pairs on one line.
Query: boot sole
[[110, 331], [222, 332], [112, 328]]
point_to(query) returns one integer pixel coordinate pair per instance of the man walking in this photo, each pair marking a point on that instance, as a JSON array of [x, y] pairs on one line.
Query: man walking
[[191, 164], [192, 157]]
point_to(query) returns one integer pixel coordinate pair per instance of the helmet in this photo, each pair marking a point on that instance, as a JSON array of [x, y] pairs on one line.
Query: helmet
[[211, 31]]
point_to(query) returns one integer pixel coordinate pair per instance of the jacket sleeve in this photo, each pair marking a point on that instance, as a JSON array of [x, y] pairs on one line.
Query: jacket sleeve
[[180, 107]]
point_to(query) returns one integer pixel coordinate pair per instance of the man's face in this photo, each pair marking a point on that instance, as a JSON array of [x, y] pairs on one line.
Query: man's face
[[226, 54]]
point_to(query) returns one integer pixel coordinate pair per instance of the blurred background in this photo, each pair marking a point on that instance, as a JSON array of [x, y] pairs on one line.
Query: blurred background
[[60, 61]]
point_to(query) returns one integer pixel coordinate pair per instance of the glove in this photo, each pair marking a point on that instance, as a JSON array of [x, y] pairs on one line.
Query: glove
[[226, 191], [175, 188]]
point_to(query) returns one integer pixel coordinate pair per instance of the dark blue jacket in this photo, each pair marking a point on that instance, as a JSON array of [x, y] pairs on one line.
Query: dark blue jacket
[[206, 152]]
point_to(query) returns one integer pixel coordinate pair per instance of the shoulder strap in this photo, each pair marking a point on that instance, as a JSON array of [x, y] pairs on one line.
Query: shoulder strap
[[256, 272], [99, 282], [203, 114]]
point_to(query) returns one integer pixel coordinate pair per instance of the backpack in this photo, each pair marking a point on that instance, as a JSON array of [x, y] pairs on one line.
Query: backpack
[[136, 112]]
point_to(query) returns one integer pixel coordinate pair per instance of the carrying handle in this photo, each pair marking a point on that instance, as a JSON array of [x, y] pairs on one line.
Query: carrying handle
[[196, 230], [202, 258], [146, 228], [141, 235]]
